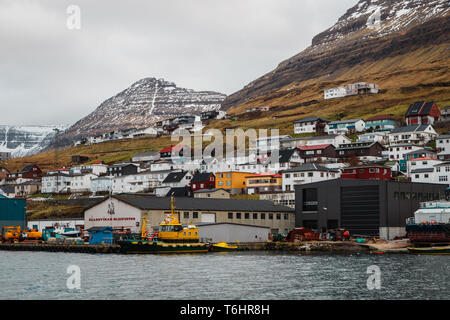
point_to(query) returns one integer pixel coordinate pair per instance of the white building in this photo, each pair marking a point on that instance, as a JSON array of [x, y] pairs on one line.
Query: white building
[[399, 152], [287, 159], [307, 173], [414, 134], [335, 139], [414, 165], [102, 184], [97, 169], [310, 125], [177, 179], [382, 137], [443, 146], [81, 182], [338, 92], [56, 182], [268, 144], [345, 126]]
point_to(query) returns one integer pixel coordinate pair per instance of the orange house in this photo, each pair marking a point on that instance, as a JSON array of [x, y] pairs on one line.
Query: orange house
[[264, 183], [232, 181]]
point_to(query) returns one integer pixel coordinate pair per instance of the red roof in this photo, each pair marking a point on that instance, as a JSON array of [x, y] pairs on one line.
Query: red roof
[[317, 147], [97, 162], [172, 148]]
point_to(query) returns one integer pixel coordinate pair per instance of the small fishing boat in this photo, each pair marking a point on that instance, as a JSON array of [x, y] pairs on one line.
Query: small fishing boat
[[172, 238], [430, 250], [223, 247]]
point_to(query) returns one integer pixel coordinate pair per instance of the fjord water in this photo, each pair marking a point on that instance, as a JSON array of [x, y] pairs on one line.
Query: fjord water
[[228, 276]]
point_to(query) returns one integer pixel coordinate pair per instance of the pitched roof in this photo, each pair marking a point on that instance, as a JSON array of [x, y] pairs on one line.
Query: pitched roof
[[312, 119], [352, 146], [268, 174], [425, 170], [201, 204], [310, 167], [411, 128], [28, 168], [317, 147], [175, 177], [180, 192], [7, 189], [171, 148], [211, 190], [346, 121], [201, 177], [419, 108], [285, 155]]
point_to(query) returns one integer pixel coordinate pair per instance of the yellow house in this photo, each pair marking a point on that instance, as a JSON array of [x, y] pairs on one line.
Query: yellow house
[[264, 183], [233, 181]]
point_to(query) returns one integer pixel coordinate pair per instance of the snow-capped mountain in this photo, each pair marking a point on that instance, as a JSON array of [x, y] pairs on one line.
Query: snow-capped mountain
[[367, 34], [141, 105], [24, 141]]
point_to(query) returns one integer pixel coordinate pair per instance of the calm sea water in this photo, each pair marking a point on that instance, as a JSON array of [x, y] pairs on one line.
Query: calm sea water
[[228, 276]]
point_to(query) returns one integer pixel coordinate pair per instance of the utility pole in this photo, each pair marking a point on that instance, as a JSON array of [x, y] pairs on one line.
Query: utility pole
[[57, 131]]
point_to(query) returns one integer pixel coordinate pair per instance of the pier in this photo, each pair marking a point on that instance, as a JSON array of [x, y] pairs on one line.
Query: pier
[[51, 247]]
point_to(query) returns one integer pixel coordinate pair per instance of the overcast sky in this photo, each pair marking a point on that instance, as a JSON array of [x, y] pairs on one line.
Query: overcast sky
[[50, 74]]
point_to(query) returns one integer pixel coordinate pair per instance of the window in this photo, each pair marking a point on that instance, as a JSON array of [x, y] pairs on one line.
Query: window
[[286, 216], [186, 215], [255, 216], [230, 215], [238, 215], [195, 215], [270, 216], [247, 215], [278, 216], [263, 216]]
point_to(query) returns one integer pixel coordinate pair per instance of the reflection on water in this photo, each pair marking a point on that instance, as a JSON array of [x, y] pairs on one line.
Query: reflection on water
[[229, 276]]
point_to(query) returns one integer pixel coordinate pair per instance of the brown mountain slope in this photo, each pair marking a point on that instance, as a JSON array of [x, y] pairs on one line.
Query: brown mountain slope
[[409, 64]]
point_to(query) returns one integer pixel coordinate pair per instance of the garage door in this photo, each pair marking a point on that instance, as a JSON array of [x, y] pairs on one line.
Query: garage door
[[209, 217], [360, 210]]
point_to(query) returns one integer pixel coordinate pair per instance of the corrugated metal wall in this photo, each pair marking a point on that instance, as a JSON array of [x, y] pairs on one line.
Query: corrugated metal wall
[[13, 212], [360, 210]]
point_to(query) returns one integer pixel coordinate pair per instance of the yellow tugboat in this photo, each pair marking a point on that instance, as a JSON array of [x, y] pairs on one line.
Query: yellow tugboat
[[172, 238]]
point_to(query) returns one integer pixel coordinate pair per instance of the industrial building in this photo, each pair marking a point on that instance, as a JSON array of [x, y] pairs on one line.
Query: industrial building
[[364, 207], [232, 233], [128, 211], [12, 212]]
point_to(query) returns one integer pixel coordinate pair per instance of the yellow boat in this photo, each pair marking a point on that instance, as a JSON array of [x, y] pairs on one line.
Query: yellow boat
[[171, 238], [222, 247]]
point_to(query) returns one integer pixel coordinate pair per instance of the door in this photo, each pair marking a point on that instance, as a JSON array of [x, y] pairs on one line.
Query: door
[[208, 218]]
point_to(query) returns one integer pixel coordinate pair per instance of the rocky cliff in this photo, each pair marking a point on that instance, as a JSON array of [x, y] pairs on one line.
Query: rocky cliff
[[140, 105], [24, 141], [370, 32]]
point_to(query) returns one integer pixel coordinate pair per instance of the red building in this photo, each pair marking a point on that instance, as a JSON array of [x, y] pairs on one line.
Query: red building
[[31, 171], [172, 151], [203, 181], [422, 113], [373, 172], [3, 173]]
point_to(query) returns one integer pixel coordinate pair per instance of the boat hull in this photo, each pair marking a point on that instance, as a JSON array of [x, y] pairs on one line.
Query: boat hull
[[150, 247], [430, 251]]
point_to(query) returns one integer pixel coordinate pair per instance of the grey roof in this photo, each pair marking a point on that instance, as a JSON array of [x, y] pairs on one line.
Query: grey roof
[[331, 136], [357, 145], [285, 155], [155, 203], [175, 177], [422, 151], [345, 121], [425, 170], [444, 136], [210, 190], [310, 167], [411, 128], [7, 189], [201, 177], [310, 119]]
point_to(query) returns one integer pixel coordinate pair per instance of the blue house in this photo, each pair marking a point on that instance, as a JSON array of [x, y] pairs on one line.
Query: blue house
[[101, 235]]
